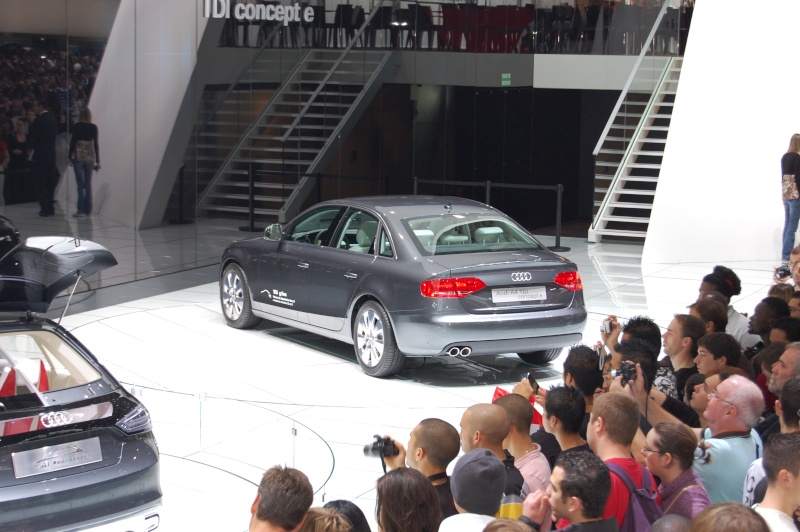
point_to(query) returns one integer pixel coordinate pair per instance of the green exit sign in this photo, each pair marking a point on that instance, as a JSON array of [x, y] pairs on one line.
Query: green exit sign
[[505, 80]]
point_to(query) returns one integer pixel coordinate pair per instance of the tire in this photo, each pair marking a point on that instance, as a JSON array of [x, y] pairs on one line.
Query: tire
[[540, 357], [374, 343], [234, 297]]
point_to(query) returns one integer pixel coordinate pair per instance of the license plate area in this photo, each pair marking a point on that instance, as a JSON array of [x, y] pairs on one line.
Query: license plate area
[[516, 295], [56, 457]]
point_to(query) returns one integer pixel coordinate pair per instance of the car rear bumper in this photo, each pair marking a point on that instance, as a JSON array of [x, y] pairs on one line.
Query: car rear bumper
[[493, 334], [128, 489]]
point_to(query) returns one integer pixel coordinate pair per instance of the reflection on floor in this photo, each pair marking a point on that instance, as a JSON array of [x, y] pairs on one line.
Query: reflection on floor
[[228, 404]]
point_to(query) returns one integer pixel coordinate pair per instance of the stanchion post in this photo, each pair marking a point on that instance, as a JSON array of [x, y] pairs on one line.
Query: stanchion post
[[558, 246], [251, 204]]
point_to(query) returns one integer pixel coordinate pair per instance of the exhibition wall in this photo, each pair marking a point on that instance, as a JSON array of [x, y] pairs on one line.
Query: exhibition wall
[[719, 192]]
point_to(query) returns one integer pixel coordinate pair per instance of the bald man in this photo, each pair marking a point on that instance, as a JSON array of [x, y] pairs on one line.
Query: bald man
[[485, 426]]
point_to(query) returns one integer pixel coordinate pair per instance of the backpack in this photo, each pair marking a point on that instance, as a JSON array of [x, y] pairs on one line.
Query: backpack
[[643, 510]]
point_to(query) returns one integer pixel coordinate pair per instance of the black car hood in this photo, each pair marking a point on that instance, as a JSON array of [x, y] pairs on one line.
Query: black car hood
[[34, 272]]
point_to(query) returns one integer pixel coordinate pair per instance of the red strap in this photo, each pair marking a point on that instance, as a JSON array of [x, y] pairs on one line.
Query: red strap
[[44, 381], [9, 386]]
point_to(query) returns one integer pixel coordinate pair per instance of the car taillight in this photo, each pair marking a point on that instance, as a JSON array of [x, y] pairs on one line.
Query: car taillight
[[137, 420], [569, 280], [452, 287]]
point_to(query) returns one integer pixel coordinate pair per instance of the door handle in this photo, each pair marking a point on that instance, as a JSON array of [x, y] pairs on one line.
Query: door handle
[[302, 265], [350, 275]]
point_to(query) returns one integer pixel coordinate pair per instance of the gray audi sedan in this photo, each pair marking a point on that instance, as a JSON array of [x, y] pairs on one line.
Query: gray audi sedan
[[407, 276], [77, 451]]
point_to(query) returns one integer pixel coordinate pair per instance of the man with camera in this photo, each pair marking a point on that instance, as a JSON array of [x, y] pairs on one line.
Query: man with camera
[[432, 445]]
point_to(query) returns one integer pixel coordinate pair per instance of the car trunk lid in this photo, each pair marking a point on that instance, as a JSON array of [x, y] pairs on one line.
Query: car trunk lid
[[513, 282]]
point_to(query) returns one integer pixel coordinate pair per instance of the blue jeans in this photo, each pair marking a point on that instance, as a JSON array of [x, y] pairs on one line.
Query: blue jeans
[[83, 175], [791, 209]]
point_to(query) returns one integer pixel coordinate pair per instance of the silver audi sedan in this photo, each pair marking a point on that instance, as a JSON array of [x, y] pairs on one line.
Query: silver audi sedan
[[407, 276]]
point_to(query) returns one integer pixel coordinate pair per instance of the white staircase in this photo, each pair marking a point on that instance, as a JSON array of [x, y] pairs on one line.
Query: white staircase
[[629, 159]]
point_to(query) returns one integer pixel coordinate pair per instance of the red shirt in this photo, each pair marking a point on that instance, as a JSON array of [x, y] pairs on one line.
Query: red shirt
[[617, 505]]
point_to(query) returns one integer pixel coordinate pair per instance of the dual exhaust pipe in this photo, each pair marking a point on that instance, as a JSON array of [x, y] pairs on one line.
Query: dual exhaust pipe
[[459, 351]]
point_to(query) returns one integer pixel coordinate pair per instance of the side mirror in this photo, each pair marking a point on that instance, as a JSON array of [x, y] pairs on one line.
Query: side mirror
[[273, 232]]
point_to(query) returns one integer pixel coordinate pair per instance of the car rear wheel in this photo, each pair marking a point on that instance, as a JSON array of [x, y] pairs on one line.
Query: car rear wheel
[[374, 342], [540, 357], [234, 295]]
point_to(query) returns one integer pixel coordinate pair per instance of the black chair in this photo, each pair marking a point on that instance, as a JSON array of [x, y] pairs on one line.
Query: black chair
[[420, 23], [346, 22], [317, 30]]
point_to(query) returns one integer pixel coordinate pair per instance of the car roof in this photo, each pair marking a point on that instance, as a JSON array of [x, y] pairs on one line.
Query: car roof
[[35, 271], [408, 206]]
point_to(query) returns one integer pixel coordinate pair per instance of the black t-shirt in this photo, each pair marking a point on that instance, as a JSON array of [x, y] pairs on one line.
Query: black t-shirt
[[681, 376], [446, 499]]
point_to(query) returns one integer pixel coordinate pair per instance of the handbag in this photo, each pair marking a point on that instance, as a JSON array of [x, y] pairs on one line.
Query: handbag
[[789, 186]]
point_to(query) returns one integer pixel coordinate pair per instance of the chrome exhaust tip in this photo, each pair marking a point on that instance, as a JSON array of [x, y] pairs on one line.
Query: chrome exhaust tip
[[465, 351], [454, 351]]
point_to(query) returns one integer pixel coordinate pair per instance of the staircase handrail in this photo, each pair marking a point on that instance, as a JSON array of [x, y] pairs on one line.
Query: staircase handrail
[[240, 74], [330, 73], [631, 77], [636, 133], [253, 124]]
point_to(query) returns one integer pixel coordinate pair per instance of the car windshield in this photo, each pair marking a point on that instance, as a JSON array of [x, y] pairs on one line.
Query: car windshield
[[37, 362], [468, 233]]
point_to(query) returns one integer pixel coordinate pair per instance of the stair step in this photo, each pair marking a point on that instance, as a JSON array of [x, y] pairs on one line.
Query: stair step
[[640, 179], [301, 139], [627, 219], [635, 192], [648, 153], [246, 197], [648, 166], [621, 232], [625, 205], [611, 152], [258, 184], [655, 128], [230, 208]]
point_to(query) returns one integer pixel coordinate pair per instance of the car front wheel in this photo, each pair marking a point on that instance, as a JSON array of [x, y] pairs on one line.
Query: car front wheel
[[374, 342], [234, 294], [540, 357]]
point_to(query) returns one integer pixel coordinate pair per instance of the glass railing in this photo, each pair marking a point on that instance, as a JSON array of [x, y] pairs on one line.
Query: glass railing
[[601, 27], [239, 436]]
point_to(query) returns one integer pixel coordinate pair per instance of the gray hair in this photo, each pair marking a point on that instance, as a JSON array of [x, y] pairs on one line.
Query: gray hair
[[747, 398]]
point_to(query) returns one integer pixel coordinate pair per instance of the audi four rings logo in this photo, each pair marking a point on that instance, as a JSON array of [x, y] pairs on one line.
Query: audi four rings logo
[[521, 276], [56, 419]]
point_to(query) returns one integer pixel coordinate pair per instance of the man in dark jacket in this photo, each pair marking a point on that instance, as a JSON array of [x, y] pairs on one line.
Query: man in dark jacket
[[42, 139]]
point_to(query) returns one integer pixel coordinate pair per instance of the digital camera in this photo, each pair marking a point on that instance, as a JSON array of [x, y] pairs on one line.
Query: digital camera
[[783, 271], [606, 327], [627, 370], [381, 447]]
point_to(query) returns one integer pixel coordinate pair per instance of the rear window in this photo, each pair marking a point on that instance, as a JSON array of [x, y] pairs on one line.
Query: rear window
[[465, 233], [34, 362]]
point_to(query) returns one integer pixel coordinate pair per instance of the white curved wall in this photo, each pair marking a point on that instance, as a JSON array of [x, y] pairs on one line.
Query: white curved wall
[[146, 70], [719, 194]]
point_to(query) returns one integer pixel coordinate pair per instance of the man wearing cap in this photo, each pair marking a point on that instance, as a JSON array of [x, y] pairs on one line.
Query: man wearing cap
[[477, 483]]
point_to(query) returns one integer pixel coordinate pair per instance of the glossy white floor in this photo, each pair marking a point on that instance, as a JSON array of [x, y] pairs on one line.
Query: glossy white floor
[[228, 404]]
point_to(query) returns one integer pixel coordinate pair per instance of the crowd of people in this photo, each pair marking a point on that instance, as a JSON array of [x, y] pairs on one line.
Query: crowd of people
[[43, 93], [706, 438]]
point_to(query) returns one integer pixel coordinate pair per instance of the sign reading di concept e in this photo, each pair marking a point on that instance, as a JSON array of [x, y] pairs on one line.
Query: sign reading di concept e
[[246, 11]]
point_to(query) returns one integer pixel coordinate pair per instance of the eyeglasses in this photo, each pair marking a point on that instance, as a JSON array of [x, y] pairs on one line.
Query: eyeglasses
[[714, 394], [645, 449]]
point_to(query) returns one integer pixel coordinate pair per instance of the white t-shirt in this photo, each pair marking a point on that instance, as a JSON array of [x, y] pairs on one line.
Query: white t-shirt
[[755, 474], [466, 523], [776, 520]]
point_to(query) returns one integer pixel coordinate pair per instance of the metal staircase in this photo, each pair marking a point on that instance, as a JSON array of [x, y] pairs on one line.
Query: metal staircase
[[295, 133], [629, 154]]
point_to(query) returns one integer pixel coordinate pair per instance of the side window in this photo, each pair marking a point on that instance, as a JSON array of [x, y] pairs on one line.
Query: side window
[[315, 226], [357, 234], [386, 246]]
